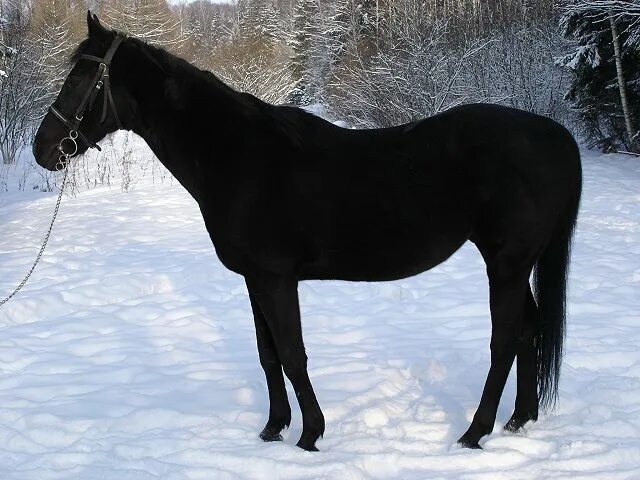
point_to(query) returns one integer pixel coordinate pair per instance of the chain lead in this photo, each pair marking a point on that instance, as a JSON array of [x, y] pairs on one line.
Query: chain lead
[[44, 243]]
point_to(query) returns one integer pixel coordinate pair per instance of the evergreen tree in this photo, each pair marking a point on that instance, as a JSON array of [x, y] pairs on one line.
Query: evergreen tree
[[258, 26], [304, 42], [605, 79], [208, 28]]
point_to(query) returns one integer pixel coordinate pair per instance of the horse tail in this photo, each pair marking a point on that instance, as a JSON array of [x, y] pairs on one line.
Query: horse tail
[[550, 291]]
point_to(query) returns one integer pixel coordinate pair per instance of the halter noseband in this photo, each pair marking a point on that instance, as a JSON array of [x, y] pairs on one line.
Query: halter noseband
[[101, 79]]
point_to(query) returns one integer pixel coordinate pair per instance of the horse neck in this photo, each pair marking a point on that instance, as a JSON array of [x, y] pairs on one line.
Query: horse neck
[[178, 109]]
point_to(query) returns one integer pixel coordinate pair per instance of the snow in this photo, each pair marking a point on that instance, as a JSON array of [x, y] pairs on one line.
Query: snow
[[131, 353]]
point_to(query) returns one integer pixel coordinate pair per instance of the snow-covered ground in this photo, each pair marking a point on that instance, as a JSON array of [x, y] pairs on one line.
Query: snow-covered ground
[[131, 353]]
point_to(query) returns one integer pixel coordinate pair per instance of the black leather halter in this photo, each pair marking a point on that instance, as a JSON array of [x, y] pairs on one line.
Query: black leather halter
[[101, 79]]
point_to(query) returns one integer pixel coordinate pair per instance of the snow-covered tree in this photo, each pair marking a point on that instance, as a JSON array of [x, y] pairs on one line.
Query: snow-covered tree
[[412, 73], [21, 83], [303, 41], [254, 58], [150, 20], [605, 66], [517, 67], [55, 28], [258, 23], [208, 27]]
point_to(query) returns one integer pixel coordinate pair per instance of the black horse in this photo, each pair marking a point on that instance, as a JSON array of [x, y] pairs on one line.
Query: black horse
[[287, 196]]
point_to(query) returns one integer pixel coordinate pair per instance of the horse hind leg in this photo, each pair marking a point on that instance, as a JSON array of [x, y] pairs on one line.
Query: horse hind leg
[[526, 407], [508, 290]]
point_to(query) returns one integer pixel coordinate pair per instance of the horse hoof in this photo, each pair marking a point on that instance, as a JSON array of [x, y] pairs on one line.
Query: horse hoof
[[309, 447], [308, 442], [515, 425], [269, 434], [467, 442]]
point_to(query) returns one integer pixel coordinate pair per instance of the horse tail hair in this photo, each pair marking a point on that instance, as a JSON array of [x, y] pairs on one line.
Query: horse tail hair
[[550, 291]]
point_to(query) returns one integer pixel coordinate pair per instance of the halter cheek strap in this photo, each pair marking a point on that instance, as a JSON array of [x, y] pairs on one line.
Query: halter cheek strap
[[100, 82]]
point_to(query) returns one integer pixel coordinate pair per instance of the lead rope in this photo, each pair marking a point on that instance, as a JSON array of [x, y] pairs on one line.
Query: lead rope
[[46, 238], [101, 78]]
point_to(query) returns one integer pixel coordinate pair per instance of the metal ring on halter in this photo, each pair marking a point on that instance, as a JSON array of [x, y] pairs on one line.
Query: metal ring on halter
[[73, 135], [62, 159]]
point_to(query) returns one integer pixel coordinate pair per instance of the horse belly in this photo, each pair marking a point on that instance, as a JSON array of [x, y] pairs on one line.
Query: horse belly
[[386, 257]]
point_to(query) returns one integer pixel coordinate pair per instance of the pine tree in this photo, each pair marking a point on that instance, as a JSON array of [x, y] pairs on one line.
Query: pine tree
[[304, 48], [258, 26], [207, 27], [606, 68]]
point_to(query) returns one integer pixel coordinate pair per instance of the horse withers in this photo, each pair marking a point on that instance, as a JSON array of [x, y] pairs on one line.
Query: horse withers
[[287, 196]]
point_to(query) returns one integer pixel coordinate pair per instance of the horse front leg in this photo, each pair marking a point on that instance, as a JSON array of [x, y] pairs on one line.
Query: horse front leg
[[277, 298], [279, 409]]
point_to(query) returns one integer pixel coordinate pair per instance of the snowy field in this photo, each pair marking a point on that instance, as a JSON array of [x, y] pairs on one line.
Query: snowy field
[[131, 353]]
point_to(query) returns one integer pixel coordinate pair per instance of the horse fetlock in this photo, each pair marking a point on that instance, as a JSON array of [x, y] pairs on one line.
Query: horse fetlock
[[279, 421]]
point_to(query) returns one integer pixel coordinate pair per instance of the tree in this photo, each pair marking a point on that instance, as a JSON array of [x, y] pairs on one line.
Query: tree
[[150, 20], [208, 27], [412, 72], [305, 54], [255, 57], [55, 29], [22, 86], [606, 67]]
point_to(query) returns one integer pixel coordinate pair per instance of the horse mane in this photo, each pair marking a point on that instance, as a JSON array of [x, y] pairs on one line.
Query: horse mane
[[284, 119], [158, 55], [79, 50]]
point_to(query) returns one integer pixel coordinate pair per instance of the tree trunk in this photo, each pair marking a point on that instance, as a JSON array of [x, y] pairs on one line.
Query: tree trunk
[[3, 49], [622, 85]]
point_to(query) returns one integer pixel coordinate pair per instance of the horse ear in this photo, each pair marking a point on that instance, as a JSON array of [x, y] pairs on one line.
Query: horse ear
[[95, 28]]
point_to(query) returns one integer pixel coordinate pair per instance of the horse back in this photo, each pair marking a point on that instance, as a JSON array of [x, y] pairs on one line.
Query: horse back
[[328, 202]]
